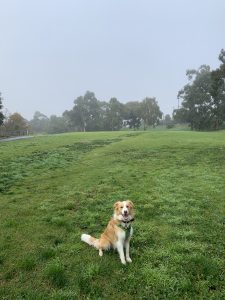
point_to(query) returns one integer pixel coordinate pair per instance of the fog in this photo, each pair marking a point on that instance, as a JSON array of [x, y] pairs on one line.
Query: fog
[[52, 51]]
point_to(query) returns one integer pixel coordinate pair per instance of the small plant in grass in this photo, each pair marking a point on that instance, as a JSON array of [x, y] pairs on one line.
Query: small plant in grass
[[55, 273], [64, 295], [54, 240], [57, 241], [28, 263], [59, 221], [10, 274], [1, 259], [70, 206], [47, 253]]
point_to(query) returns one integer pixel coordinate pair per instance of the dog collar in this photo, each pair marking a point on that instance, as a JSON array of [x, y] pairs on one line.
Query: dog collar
[[128, 221], [124, 227]]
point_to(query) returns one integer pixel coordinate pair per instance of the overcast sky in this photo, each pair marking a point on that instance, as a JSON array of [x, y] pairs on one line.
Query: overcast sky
[[52, 51]]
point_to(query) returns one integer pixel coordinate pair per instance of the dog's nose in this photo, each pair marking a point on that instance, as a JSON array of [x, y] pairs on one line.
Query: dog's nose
[[125, 212]]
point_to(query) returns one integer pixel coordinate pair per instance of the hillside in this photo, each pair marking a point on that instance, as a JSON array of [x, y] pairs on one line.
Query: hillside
[[53, 188]]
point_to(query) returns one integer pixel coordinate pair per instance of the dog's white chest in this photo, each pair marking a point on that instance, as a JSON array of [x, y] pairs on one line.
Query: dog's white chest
[[121, 235], [124, 234]]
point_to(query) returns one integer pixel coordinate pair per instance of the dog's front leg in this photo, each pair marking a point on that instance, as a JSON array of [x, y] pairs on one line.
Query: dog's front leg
[[120, 250], [127, 247]]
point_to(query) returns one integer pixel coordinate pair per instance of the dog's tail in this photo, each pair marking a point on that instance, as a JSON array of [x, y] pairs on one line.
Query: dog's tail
[[90, 240]]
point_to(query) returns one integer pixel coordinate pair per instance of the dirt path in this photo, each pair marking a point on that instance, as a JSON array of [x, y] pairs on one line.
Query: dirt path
[[16, 138]]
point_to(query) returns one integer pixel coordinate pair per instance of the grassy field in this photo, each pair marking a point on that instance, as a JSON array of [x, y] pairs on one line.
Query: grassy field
[[53, 188]]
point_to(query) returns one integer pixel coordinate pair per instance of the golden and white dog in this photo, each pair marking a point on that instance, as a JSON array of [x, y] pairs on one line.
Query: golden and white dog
[[118, 232]]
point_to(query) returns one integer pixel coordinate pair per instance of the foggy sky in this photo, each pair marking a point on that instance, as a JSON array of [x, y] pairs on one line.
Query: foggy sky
[[52, 51]]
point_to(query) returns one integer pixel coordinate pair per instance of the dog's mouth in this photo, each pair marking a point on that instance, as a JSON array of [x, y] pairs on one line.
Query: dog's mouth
[[125, 216]]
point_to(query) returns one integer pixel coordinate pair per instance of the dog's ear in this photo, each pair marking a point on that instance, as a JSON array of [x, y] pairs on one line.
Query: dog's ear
[[131, 203], [115, 206]]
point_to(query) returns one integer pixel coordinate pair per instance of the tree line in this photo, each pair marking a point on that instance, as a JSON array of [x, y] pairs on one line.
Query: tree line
[[202, 106], [91, 114]]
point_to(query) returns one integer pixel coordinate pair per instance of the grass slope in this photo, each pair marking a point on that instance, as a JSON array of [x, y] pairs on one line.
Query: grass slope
[[54, 188]]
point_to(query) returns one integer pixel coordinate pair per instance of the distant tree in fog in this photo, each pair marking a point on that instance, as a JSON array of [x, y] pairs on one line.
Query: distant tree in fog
[[57, 125], [114, 115], [168, 120], [86, 113], [15, 122], [150, 112], [132, 114], [1, 114], [39, 123]]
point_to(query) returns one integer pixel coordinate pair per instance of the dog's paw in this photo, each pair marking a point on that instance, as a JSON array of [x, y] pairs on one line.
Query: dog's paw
[[129, 259], [100, 252], [123, 262]]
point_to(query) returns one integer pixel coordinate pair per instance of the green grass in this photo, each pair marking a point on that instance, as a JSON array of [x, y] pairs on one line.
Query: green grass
[[53, 188]]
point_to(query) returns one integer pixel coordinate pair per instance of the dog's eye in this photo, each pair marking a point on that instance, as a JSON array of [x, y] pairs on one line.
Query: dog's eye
[[127, 206], [121, 206]]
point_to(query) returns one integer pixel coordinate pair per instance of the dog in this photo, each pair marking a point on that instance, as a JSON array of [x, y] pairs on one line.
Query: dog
[[118, 232]]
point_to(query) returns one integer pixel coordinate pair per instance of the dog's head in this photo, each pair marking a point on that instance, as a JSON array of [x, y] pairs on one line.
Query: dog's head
[[124, 210]]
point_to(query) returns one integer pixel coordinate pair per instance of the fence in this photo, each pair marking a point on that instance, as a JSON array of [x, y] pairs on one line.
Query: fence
[[7, 133]]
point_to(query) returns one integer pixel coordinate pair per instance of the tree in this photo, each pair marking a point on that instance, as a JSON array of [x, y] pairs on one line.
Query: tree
[[57, 125], [39, 123], [132, 114], [197, 98], [202, 100], [114, 115], [168, 120], [180, 115], [1, 114], [86, 113], [16, 122], [150, 112], [218, 92]]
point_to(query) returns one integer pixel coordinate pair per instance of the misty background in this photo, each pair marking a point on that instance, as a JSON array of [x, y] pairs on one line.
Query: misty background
[[53, 51]]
